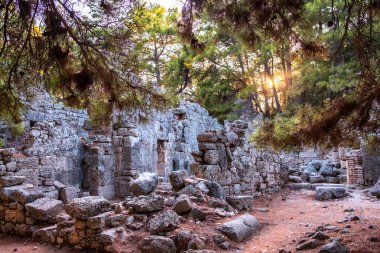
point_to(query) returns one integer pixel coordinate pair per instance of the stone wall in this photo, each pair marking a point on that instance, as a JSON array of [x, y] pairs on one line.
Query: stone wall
[[228, 158], [163, 143]]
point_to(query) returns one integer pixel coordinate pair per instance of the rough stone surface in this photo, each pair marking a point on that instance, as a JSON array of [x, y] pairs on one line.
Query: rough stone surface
[[157, 244], [27, 195], [67, 194], [330, 192], [177, 179], [147, 204], [240, 228], [241, 203], [375, 190], [7, 181], [334, 247], [216, 190], [182, 204], [144, 184], [164, 221], [44, 208], [83, 208]]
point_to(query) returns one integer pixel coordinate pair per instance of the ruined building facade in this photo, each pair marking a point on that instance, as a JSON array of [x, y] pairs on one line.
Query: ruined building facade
[[59, 145]]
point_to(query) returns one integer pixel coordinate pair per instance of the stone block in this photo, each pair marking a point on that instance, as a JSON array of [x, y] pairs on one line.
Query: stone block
[[44, 208], [83, 208], [240, 228], [14, 216], [68, 194], [144, 184], [27, 195], [7, 181], [157, 244], [241, 203]]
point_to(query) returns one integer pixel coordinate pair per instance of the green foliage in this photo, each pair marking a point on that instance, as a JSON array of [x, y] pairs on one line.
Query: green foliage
[[2, 143]]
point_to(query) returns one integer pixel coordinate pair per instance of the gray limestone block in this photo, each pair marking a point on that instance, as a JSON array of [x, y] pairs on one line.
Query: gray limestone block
[[27, 195], [144, 184], [7, 181], [334, 247], [6, 193], [182, 204], [240, 228], [146, 204], [163, 222], [158, 244], [330, 192], [207, 137], [68, 194], [44, 208], [241, 203], [177, 179], [316, 179], [83, 208], [216, 190], [211, 157]]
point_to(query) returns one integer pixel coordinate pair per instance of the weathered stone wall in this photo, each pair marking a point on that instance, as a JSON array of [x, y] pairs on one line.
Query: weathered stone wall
[[371, 165], [50, 147], [228, 158], [161, 144]]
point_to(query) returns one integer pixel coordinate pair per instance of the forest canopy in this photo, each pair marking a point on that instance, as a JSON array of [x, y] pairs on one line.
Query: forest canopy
[[310, 67]]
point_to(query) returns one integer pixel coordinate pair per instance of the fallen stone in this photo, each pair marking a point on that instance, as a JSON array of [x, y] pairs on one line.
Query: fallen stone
[[157, 244], [196, 243], [182, 204], [221, 241], [294, 179], [68, 194], [44, 208], [201, 186], [326, 170], [144, 184], [27, 195], [320, 236], [326, 193], [177, 179], [163, 222], [83, 208], [211, 157], [334, 247], [216, 190], [312, 244], [147, 204], [316, 179], [7, 181], [375, 190], [241, 203], [188, 190], [197, 214], [182, 240], [240, 228], [332, 180], [310, 169]]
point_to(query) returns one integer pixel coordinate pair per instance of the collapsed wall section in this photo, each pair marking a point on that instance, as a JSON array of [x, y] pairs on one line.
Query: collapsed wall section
[[228, 158]]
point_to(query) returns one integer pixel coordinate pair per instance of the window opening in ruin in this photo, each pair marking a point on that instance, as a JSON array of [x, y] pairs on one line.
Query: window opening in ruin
[[161, 157]]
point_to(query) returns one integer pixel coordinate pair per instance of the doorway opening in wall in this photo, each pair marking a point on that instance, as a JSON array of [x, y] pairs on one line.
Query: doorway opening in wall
[[161, 157]]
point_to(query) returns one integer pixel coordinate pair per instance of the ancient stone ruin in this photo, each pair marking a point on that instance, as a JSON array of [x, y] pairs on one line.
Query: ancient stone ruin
[[68, 182]]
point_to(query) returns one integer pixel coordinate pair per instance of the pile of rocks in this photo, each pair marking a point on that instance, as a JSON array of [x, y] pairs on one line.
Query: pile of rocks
[[318, 171], [96, 223]]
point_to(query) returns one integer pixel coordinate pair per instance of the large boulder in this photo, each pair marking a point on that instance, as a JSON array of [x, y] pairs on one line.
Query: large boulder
[[182, 204], [216, 190], [7, 181], [146, 204], [163, 222], [241, 203], [330, 192], [375, 190], [144, 184], [83, 208], [157, 244], [6, 193], [334, 247], [44, 208], [294, 179], [188, 190], [177, 179], [240, 228]]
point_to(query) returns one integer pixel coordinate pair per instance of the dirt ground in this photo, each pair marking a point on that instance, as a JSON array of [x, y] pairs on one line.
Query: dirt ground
[[286, 218]]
